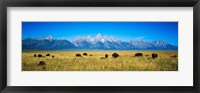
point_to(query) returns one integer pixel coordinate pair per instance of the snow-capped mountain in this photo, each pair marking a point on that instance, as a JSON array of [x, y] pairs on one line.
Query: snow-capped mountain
[[158, 45], [97, 42], [98, 38]]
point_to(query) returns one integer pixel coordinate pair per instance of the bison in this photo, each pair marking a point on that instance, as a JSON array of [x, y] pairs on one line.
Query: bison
[[174, 56], [115, 55], [138, 54], [90, 55], [35, 55], [154, 55], [106, 56], [53, 56], [47, 54], [41, 63], [85, 54], [78, 55], [39, 55]]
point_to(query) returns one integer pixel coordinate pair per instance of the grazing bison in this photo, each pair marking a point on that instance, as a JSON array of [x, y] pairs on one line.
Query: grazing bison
[[53, 56], [106, 56], [90, 55], [174, 56], [102, 58], [39, 55], [41, 63], [47, 54], [138, 54], [154, 55], [85, 54], [35, 55], [115, 55], [78, 55]]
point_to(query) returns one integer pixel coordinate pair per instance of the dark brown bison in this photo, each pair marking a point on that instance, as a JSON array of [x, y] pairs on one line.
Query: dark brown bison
[[47, 54], [174, 56], [35, 55], [115, 55], [39, 55], [154, 55], [85, 54], [90, 55], [41, 63], [106, 56], [138, 54], [78, 55], [53, 56]]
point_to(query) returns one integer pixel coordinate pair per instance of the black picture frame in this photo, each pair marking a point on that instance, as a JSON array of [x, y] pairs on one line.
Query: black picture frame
[[98, 3]]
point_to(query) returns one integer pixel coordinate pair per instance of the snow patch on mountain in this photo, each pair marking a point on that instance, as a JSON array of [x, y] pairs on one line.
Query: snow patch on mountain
[[93, 40], [45, 38]]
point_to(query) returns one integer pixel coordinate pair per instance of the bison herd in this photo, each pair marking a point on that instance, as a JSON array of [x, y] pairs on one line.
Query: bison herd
[[40, 55], [42, 63], [153, 55], [114, 55]]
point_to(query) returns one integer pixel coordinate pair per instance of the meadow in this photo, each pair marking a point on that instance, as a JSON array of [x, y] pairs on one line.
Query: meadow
[[67, 61]]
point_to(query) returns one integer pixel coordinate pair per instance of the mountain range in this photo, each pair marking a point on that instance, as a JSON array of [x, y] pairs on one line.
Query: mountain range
[[99, 42]]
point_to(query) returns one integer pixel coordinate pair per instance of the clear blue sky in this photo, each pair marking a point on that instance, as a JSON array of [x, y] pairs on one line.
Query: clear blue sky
[[167, 31]]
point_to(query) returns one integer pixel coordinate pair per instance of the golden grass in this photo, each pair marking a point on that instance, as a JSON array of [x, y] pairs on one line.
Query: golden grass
[[67, 61]]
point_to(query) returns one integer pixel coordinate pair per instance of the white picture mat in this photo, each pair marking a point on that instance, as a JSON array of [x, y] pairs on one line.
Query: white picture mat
[[182, 77]]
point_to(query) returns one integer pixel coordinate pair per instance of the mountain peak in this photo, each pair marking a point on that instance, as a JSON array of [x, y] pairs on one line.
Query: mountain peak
[[99, 35], [160, 42], [98, 38], [45, 38]]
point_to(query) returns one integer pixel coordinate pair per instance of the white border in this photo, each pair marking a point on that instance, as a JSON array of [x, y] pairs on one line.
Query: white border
[[182, 77]]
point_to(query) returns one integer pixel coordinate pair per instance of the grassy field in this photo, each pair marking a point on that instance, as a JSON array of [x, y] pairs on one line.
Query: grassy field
[[67, 61]]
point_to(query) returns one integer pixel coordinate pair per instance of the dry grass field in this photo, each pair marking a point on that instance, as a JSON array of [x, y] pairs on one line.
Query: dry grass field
[[67, 61]]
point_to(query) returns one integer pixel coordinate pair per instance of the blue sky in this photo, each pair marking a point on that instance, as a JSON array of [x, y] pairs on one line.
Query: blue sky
[[167, 31]]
